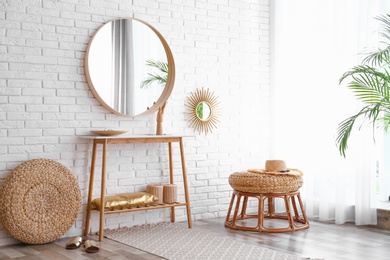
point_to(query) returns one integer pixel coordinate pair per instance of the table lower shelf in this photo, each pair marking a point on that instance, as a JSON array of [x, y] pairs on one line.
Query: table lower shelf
[[148, 207]]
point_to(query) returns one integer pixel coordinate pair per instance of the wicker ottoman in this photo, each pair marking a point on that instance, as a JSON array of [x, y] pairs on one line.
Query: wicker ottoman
[[40, 201], [266, 187]]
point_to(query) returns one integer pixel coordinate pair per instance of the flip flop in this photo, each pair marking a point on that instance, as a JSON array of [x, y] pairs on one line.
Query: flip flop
[[74, 243], [91, 246]]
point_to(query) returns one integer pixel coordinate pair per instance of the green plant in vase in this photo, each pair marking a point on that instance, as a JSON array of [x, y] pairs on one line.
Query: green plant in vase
[[370, 83]]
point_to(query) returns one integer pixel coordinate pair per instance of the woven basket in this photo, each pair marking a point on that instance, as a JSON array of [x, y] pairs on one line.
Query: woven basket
[[265, 182], [39, 200], [170, 193], [157, 191]]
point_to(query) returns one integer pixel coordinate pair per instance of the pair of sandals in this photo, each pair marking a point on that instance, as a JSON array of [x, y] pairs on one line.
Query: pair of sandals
[[90, 245]]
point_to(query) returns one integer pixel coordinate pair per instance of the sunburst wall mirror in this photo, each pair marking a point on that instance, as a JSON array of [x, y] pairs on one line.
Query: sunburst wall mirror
[[203, 110]]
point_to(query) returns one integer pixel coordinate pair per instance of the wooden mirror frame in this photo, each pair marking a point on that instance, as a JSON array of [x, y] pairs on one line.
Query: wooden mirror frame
[[168, 86], [199, 124]]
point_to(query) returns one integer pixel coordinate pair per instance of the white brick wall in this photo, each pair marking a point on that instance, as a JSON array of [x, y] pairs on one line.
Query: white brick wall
[[45, 103]]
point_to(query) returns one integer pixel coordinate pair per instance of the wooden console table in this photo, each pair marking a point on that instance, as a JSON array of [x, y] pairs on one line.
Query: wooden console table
[[123, 139]]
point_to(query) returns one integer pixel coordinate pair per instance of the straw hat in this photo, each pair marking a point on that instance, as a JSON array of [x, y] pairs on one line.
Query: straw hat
[[275, 166]]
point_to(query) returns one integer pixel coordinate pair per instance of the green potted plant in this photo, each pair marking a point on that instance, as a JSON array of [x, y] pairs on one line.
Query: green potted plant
[[370, 83]]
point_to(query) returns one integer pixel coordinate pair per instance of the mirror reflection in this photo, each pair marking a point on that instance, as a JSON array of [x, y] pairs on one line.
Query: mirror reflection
[[203, 110], [127, 65]]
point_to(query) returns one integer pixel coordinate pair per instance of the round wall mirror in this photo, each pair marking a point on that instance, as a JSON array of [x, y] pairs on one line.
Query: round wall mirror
[[203, 110], [129, 67]]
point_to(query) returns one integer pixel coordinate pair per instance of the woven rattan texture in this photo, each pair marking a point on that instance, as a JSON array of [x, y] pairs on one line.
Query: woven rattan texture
[[170, 193], [157, 191], [264, 183], [39, 200]]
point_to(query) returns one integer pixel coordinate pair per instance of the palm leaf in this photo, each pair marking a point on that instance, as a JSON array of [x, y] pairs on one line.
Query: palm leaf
[[343, 132], [384, 19], [162, 66], [378, 57], [386, 121], [344, 129], [370, 85], [161, 78], [365, 69], [370, 88], [382, 55]]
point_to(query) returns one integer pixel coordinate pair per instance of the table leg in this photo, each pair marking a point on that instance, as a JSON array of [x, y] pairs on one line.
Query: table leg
[[260, 216], [230, 207], [90, 189], [244, 205], [288, 211], [183, 165], [103, 192], [305, 221], [271, 207], [171, 179], [235, 213]]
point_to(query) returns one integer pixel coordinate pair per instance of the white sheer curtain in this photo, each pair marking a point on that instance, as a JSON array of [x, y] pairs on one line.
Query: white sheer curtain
[[314, 43]]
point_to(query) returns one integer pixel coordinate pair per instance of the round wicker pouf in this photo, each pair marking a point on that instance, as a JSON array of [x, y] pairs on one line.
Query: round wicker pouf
[[263, 182], [39, 200], [266, 187]]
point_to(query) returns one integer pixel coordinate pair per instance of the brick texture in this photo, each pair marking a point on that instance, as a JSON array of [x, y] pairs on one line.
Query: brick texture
[[45, 103]]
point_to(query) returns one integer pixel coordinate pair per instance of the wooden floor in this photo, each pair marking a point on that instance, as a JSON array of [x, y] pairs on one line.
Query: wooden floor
[[320, 241]]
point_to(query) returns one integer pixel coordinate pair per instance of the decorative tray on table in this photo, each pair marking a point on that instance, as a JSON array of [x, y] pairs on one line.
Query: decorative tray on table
[[108, 132]]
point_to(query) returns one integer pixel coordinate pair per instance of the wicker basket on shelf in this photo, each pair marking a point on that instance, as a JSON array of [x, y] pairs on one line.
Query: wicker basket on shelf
[[156, 190], [170, 193]]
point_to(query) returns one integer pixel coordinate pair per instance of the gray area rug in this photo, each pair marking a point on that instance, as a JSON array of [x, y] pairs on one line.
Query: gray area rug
[[175, 242]]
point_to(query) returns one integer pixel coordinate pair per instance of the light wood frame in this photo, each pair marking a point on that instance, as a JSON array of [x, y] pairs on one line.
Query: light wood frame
[[168, 86]]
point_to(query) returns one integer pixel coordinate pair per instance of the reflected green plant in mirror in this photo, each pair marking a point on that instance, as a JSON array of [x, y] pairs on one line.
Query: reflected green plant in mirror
[[160, 78], [199, 110], [203, 110]]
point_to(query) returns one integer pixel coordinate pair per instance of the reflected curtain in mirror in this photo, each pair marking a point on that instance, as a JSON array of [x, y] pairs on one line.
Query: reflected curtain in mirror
[[123, 65]]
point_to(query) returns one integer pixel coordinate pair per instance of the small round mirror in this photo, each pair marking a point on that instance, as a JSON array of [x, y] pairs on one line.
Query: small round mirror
[[203, 110], [129, 67]]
